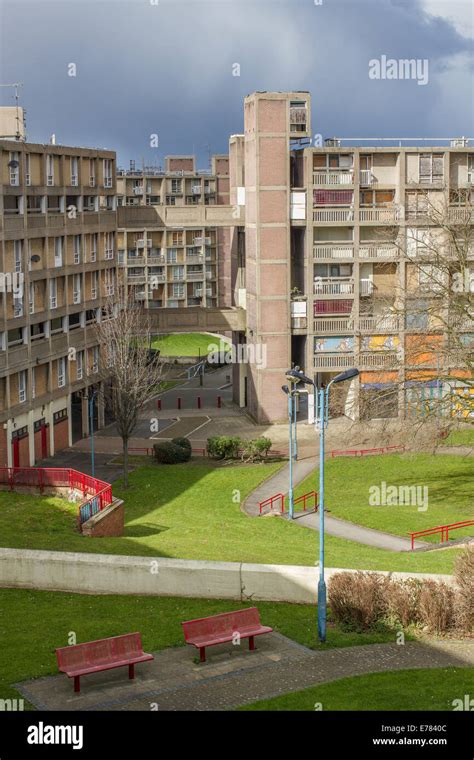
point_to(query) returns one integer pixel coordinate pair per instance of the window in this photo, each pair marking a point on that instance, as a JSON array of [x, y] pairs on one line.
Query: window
[[431, 167], [58, 251], [56, 325], [94, 240], [377, 198], [27, 169], [74, 320], [53, 293], [107, 172], [31, 297], [77, 249], [170, 200], [177, 238], [94, 278], [333, 197], [176, 185], [178, 290], [109, 279], [17, 251], [92, 173], [15, 337], [76, 289], [177, 273], [17, 306], [80, 365], [49, 171], [74, 171], [59, 416], [109, 245], [14, 165], [22, 385], [37, 331], [417, 203], [172, 255], [33, 382], [61, 372], [95, 360]]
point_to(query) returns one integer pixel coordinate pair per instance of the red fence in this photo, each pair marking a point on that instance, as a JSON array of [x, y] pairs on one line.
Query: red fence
[[367, 452], [305, 500], [443, 530], [97, 493]]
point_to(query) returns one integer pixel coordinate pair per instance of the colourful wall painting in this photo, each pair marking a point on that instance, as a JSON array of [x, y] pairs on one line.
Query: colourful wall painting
[[380, 343], [336, 344]]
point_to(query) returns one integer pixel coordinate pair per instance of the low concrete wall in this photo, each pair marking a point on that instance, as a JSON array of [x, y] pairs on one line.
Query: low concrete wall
[[112, 574]]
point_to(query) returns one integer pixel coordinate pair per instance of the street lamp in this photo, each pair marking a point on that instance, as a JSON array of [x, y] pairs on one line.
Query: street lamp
[[323, 422], [290, 392], [92, 395]]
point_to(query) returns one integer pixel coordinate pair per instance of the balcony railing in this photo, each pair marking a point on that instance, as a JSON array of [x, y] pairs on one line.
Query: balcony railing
[[366, 287], [136, 278], [136, 261], [333, 215], [326, 177], [333, 286], [377, 252], [386, 323], [379, 215], [336, 326], [299, 323], [378, 359], [333, 251], [325, 360], [366, 177], [195, 276]]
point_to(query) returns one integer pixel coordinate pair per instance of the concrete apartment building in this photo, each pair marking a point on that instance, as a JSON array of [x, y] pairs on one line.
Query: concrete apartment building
[[58, 250]]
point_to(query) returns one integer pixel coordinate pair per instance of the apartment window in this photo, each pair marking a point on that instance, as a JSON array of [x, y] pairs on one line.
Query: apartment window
[[17, 306], [95, 360], [15, 337], [37, 331], [33, 382], [61, 372], [461, 197], [33, 204], [31, 297], [49, 171], [17, 252], [74, 320], [109, 245], [377, 198], [177, 273], [27, 169], [76, 294], [172, 255], [92, 173], [170, 200], [178, 290], [74, 171], [94, 282], [77, 249], [177, 238], [22, 386], [56, 325], [107, 172], [176, 185], [431, 167], [53, 293], [58, 251], [417, 203], [91, 316], [59, 416], [80, 365], [14, 166], [94, 240], [109, 279]]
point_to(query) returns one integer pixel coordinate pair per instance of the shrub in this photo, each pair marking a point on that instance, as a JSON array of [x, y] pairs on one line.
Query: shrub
[[185, 444], [436, 606], [464, 577], [357, 600], [256, 449], [223, 447], [402, 600], [168, 452]]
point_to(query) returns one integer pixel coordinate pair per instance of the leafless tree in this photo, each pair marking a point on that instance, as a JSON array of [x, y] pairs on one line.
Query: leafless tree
[[130, 370]]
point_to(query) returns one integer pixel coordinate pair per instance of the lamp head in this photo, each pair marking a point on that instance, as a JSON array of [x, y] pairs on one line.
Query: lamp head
[[285, 389], [347, 375], [296, 376]]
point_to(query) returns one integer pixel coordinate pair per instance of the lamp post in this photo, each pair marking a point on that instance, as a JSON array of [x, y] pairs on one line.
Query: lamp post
[[292, 435], [322, 395], [92, 395]]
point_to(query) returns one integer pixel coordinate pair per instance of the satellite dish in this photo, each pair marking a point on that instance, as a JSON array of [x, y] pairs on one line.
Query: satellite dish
[[35, 258], [13, 164]]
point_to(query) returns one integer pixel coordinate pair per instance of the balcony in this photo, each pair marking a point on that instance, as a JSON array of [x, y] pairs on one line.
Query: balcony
[[378, 360], [326, 177], [136, 278], [342, 306], [385, 323], [333, 326], [378, 252], [333, 215], [134, 261], [461, 215], [379, 215], [333, 286], [366, 287], [327, 361], [333, 251], [366, 178], [160, 259], [195, 276]]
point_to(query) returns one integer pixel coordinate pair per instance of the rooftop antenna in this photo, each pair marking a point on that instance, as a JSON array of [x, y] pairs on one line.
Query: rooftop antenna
[[16, 85]]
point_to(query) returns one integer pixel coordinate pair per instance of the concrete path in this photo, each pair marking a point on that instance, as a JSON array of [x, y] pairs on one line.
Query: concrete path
[[233, 676], [333, 526]]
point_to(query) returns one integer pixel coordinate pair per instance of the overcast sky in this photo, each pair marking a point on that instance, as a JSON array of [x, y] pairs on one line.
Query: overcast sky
[[166, 67]]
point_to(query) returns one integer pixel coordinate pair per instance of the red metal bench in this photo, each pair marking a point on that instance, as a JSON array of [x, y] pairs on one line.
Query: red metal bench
[[93, 656], [219, 629]]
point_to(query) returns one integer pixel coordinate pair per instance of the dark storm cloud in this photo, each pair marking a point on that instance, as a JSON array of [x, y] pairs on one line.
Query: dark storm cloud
[[166, 68]]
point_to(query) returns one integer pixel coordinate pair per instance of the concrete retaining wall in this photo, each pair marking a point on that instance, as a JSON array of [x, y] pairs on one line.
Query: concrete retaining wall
[[112, 574]]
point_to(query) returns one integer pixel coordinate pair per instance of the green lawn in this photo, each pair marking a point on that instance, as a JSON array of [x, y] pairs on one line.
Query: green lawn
[[461, 437], [39, 621], [424, 689], [449, 496], [191, 511], [186, 344]]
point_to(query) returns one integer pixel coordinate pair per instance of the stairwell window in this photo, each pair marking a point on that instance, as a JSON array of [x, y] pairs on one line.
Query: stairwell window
[[80, 365], [77, 249], [74, 171], [61, 372], [58, 251], [53, 293], [14, 165], [22, 386], [49, 171], [17, 252], [431, 168]]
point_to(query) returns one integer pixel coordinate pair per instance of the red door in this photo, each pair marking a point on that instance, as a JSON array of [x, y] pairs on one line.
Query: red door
[[16, 452], [44, 442]]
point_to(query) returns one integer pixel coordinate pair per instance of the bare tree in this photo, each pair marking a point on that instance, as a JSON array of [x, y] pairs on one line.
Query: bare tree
[[130, 369]]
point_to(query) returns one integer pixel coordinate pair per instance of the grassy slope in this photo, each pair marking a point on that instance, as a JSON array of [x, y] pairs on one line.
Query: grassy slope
[[448, 478], [424, 689], [189, 511], [39, 621], [185, 344]]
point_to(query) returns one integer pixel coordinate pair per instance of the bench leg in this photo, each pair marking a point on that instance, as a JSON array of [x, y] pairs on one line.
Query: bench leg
[[77, 684], [202, 654], [131, 671], [251, 643]]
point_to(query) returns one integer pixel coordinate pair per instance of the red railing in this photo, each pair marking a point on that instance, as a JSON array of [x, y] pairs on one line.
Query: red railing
[[365, 452], [443, 530], [307, 497], [275, 498], [97, 493]]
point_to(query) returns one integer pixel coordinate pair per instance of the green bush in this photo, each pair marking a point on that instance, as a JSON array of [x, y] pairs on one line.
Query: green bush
[[256, 449], [223, 446], [184, 443], [169, 452]]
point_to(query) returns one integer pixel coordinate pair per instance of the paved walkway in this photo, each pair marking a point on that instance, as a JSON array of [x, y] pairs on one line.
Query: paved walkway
[[278, 483], [233, 676]]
